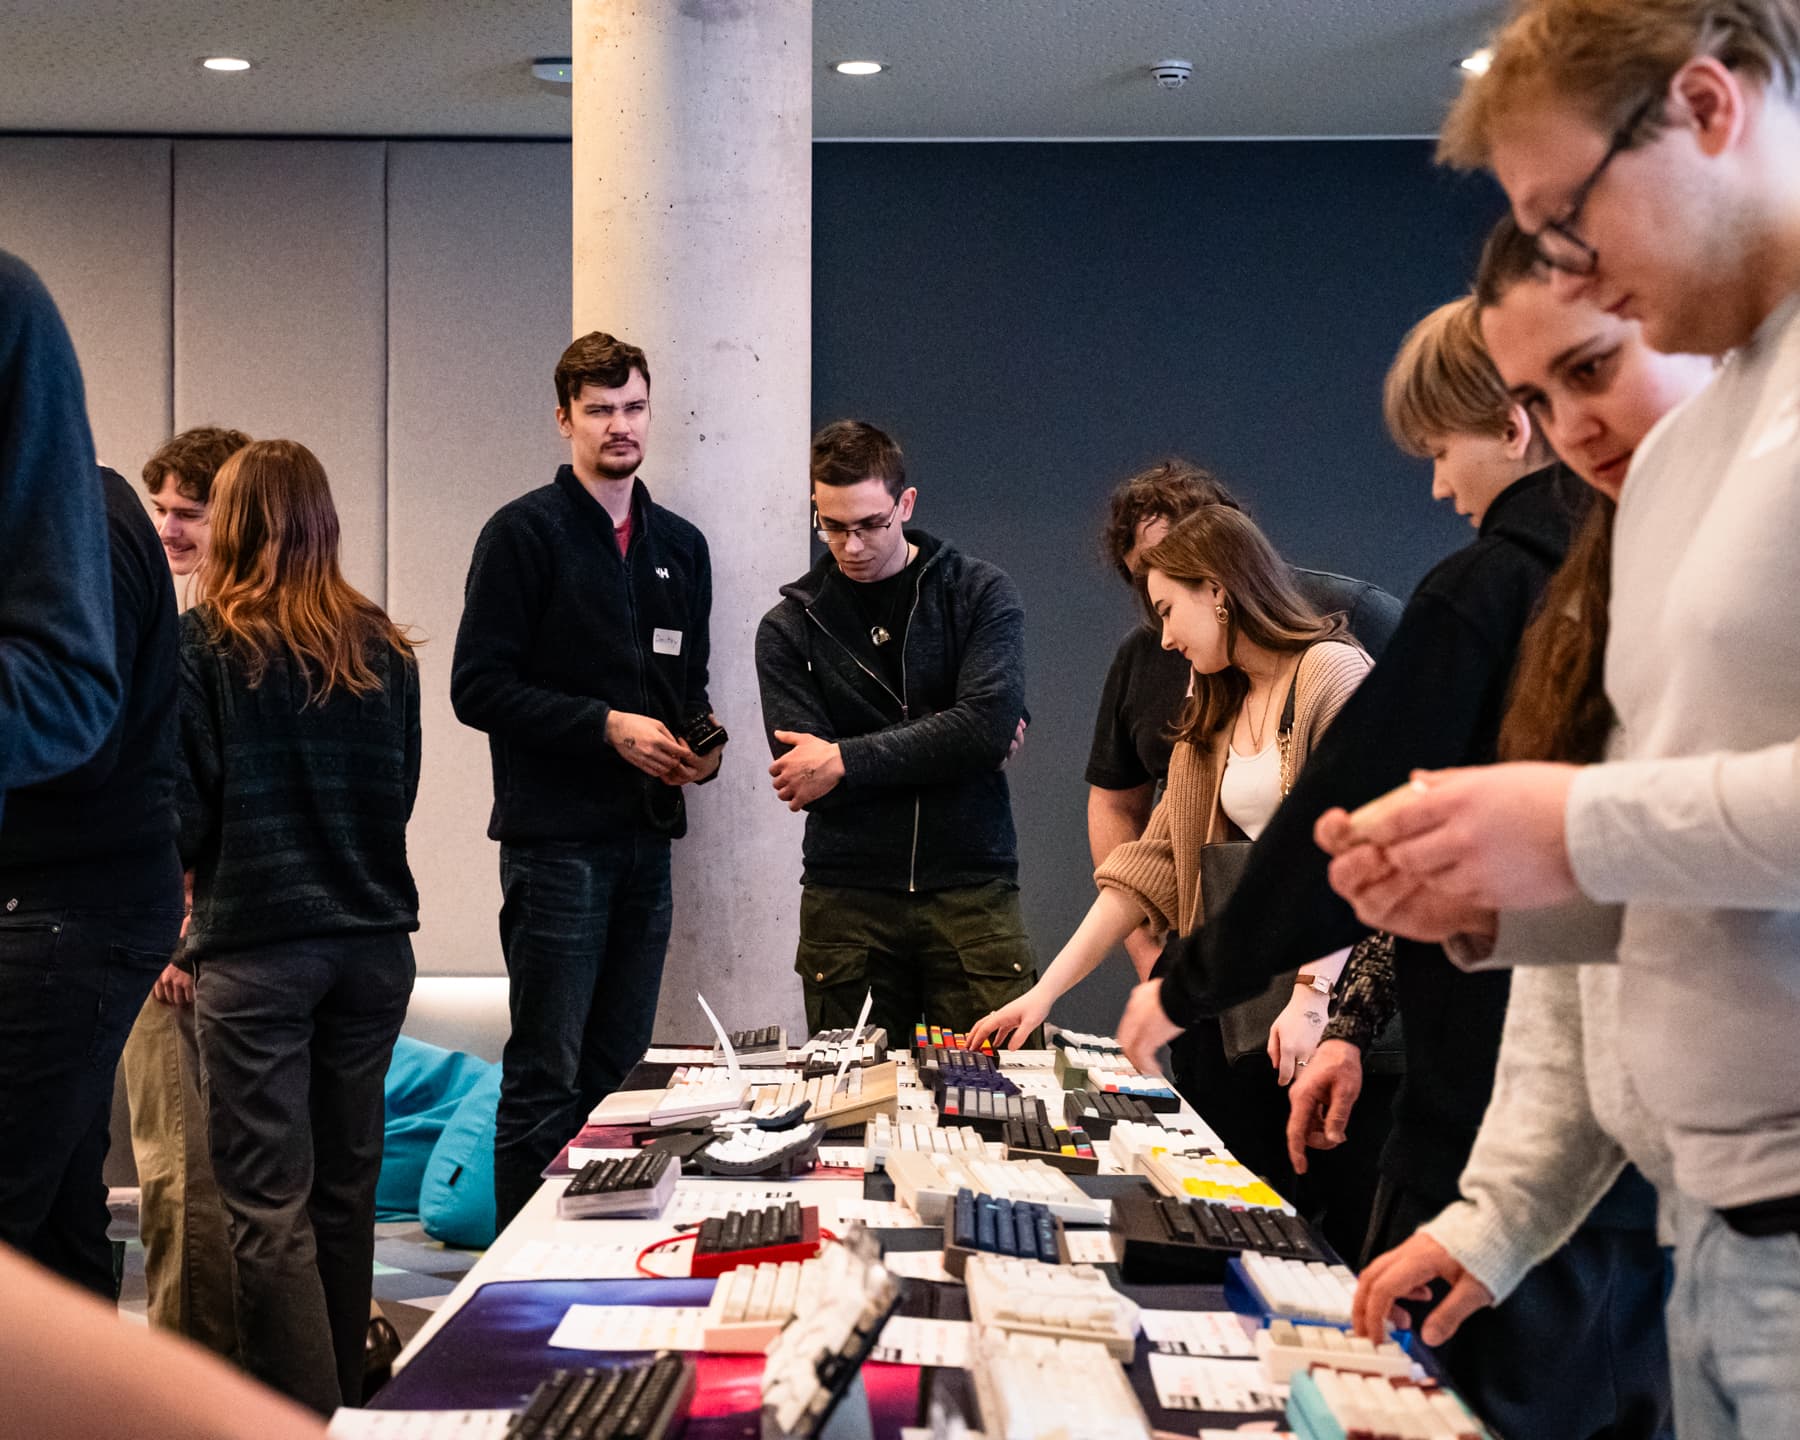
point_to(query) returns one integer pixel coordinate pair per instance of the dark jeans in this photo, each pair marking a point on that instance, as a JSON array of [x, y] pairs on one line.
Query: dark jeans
[[295, 1040], [71, 984], [946, 957], [1249, 1111], [1577, 1352], [585, 927]]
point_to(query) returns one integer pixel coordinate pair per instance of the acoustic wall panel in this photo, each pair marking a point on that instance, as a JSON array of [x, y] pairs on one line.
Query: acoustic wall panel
[[280, 312], [479, 285], [92, 218]]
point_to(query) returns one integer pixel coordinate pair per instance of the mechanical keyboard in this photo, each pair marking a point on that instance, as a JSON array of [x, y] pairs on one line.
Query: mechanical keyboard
[[637, 1400], [1069, 1151], [754, 1237], [1030, 1387], [1063, 1302], [928, 1182], [638, 1185]]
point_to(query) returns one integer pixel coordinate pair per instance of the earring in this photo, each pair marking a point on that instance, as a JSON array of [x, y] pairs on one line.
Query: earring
[[1223, 614]]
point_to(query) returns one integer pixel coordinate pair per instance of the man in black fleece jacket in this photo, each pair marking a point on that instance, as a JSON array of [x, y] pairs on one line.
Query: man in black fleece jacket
[[90, 885], [583, 655], [893, 690]]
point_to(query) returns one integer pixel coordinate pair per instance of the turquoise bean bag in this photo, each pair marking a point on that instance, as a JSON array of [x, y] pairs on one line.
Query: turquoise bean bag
[[456, 1200], [425, 1086]]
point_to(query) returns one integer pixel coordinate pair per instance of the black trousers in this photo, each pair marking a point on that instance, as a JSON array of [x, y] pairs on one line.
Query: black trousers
[[295, 1040], [71, 984], [1577, 1352]]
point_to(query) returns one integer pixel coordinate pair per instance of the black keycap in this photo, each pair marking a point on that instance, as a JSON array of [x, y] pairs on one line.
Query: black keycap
[[712, 1236], [791, 1223]]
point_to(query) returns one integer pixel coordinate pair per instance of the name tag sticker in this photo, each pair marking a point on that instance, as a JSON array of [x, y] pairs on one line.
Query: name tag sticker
[[666, 642]]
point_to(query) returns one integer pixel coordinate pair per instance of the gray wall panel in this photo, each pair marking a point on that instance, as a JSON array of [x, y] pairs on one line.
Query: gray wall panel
[[479, 284], [280, 312], [92, 218]]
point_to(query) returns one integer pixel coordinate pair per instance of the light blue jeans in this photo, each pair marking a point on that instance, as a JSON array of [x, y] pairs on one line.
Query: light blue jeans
[[1734, 1331]]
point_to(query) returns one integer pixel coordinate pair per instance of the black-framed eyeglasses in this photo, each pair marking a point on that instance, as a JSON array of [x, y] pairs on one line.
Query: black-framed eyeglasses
[[1558, 246], [833, 533]]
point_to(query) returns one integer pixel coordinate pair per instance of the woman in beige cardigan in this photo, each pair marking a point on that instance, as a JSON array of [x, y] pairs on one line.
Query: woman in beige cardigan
[[1224, 600]]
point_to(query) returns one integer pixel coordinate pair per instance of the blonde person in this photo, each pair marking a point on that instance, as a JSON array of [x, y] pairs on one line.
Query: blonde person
[[1226, 602], [1652, 148], [300, 743]]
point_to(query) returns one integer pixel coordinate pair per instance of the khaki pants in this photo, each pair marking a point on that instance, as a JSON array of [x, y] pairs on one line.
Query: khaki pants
[[946, 957], [187, 1249]]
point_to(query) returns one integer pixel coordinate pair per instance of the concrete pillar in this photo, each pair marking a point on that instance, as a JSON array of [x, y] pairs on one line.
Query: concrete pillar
[[693, 239]]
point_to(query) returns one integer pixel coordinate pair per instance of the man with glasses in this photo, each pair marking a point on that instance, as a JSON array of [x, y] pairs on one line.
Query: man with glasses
[[583, 654], [893, 690], [1653, 149]]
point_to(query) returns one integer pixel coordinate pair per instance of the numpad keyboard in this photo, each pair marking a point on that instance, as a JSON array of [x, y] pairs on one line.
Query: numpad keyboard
[[753, 1237], [767, 1046], [988, 1110], [1031, 1387], [824, 1052], [637, 1400], [1070, 1151], [1171, 1240], [1153, 1091], [1299, 1289], [882, 1136], [987, 1224], [751, 1304], [1327, 1404], [745, 1150], [1285, 1348], [1061, 1302], [636, 1185], [928, 1182], [1097, 1111]]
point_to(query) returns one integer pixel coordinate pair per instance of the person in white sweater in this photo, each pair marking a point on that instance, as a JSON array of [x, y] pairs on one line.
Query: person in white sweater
[[1653, 148], [1564, 1120]]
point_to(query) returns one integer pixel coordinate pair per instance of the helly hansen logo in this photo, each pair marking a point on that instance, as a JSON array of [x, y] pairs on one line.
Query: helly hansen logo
[[662, 572]]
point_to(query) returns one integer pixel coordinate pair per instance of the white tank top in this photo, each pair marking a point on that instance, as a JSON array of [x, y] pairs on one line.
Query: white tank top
[[1250, 789]]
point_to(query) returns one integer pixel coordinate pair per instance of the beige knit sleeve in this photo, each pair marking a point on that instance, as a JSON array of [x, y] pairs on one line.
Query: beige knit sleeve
[[1328, 677], [1145, 870]]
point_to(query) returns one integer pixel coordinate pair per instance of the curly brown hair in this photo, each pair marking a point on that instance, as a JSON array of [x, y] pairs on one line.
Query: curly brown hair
[[193, 457], [1172, 491], [597, 359]]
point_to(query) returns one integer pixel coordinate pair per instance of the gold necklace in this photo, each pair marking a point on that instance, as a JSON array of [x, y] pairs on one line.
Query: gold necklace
[[1256, 734]]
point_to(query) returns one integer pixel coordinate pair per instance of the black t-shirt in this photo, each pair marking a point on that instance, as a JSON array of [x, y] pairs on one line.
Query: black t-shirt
[[883, 606], [1147, 685]]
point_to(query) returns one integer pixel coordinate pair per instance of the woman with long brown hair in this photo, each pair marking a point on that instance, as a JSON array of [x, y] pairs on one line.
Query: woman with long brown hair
[[300, 736], [1269, 676]]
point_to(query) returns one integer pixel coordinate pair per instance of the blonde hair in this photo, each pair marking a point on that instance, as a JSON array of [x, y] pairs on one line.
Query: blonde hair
[[1608, 57], [1443, 383]]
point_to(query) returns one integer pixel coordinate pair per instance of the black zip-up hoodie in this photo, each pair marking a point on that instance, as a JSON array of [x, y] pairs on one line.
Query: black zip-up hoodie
[[558, 630], [924, 803]]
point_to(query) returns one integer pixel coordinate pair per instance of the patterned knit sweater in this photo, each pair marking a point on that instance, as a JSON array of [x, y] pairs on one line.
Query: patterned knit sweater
[[1161, 870]]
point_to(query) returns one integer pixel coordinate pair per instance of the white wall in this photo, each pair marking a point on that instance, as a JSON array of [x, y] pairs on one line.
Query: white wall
[[398, 308]]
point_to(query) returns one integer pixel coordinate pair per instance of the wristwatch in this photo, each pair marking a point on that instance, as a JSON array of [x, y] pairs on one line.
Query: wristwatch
[[1320, 983]]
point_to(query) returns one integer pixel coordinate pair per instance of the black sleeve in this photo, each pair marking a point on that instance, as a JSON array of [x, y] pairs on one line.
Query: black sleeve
[[1113, 761], [200, 771], [59, 690], [134, 597], [503, 605], [415, 734], [790, 699], [1430, 703], [699, 652]]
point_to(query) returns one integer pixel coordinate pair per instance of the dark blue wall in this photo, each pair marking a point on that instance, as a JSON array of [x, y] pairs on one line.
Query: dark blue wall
[[1033, 322]]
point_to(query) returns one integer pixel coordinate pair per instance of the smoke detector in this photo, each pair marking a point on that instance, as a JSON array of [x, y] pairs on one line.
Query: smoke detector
[[1172, 74]]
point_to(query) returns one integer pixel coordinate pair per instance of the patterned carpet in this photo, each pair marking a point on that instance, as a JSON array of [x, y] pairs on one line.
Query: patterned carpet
[[413, 1272]]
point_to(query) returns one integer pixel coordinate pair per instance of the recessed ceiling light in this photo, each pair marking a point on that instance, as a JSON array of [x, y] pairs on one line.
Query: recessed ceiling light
[[556, 72], [226, 63], [859, 67], [1477, 64]]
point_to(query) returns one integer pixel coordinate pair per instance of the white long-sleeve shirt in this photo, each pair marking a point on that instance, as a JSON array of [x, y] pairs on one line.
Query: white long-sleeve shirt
[[1695, 827]]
